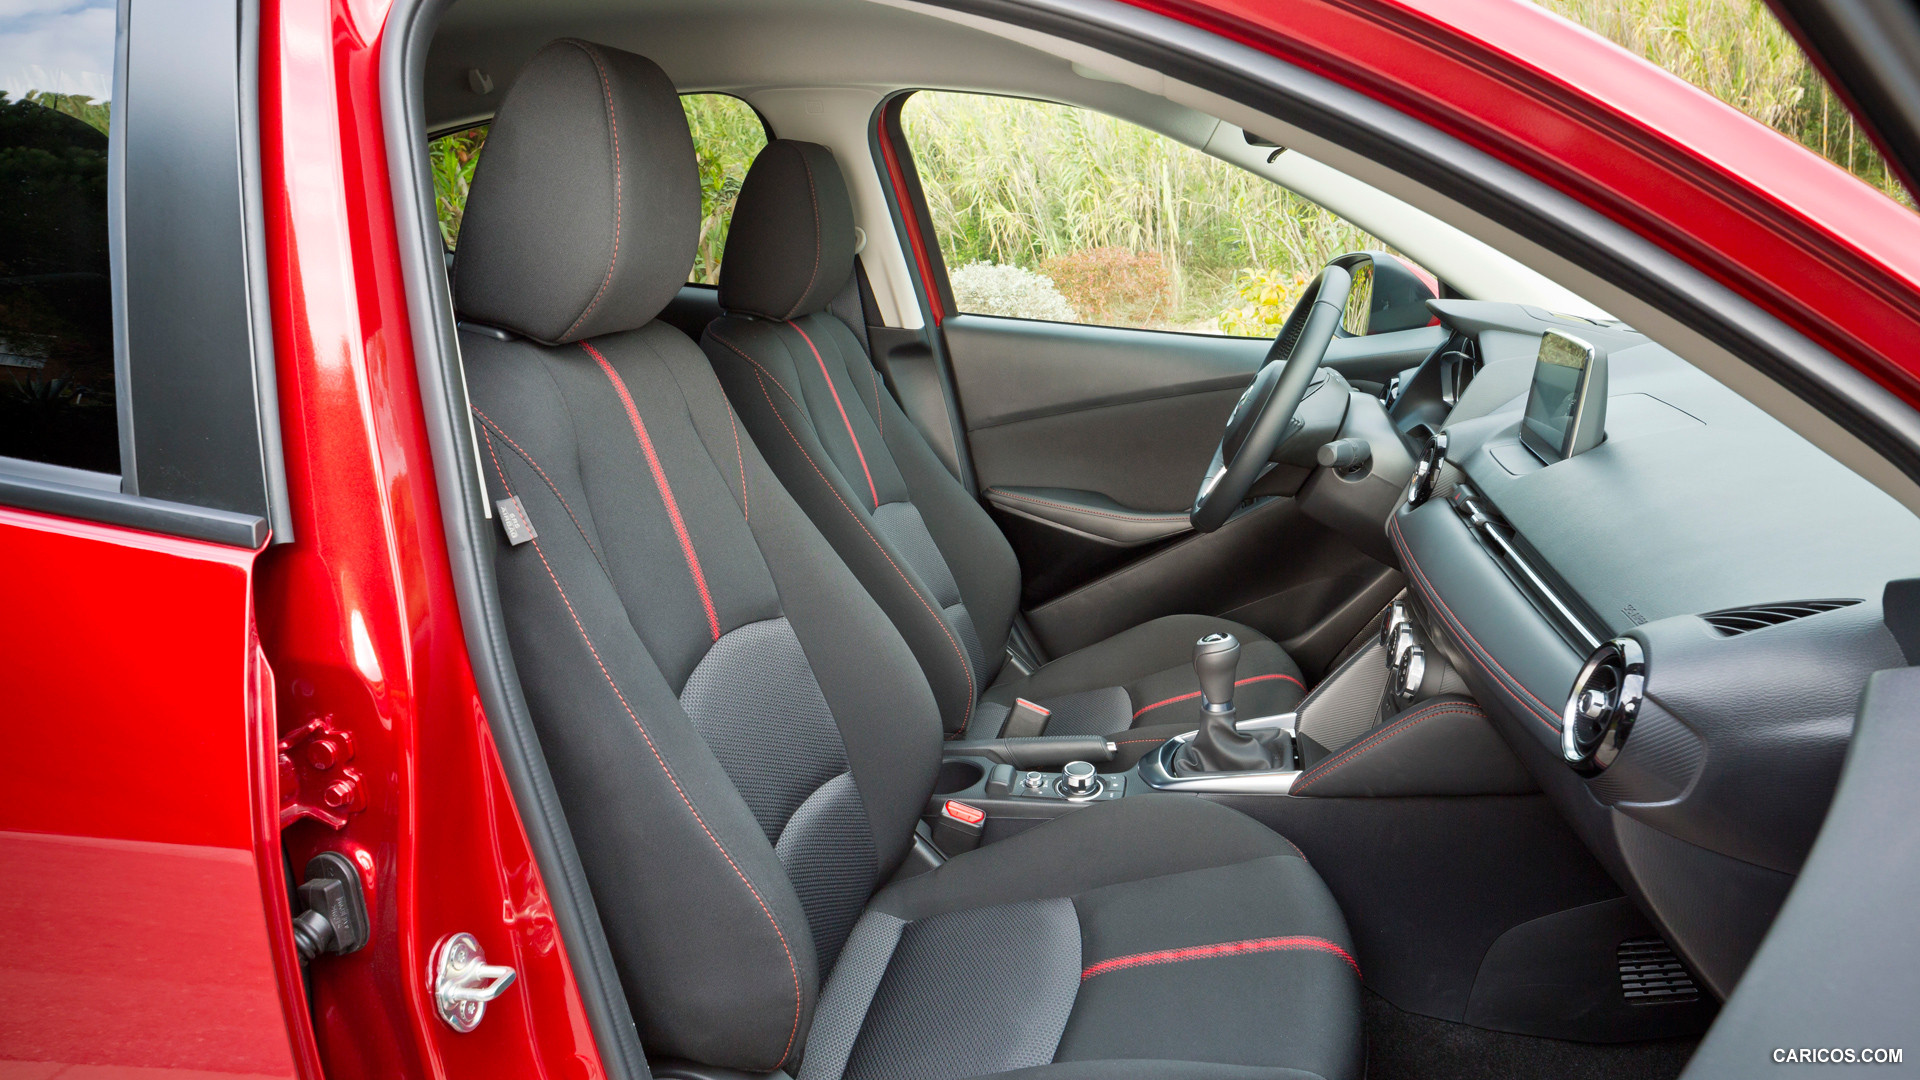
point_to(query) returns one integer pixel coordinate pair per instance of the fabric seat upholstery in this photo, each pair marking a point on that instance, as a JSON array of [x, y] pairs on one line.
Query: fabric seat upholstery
[[807, 390], [741, 740]]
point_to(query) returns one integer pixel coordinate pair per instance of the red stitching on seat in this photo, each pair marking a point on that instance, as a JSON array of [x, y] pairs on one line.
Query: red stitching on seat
[[1237, 682], [741, 456], [1379, 738], [871, 490], [966, 666], [792, 967], [613, 129], [1226, 948], [813, 196], [666, 490], [488, 428]]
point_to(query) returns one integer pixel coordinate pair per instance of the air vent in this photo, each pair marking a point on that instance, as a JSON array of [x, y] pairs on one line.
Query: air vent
[[1743, 620], [1651, 975]]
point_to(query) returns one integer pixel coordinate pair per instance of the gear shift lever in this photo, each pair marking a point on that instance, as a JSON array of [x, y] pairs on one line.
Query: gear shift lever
[[1219, 746], [1216, 659]]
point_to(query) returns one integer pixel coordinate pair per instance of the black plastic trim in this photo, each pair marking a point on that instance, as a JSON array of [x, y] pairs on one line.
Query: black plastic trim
[[1490, 187], [200, 451], [1843, 927], [197, 387], [409, 32], [886, 128], [259, 296], [110, 507]]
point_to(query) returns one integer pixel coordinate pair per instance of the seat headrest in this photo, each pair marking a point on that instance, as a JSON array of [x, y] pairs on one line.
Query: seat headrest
[[585, 207], [791, 243]]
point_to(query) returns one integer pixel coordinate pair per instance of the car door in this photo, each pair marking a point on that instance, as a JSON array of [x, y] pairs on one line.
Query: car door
[[138, 485], [1106, 292]]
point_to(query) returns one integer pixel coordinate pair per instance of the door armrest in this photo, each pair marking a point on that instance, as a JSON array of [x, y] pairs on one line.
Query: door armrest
[[1089, 514]]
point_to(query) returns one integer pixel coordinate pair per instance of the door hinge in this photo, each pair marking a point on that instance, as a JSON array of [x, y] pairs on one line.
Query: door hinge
[[315, 780]]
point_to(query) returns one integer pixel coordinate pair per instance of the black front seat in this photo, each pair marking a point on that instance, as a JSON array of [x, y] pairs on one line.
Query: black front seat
[[809, 394], [741, 740]]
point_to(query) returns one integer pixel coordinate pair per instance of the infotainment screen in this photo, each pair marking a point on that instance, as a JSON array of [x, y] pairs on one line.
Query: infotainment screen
[[1567, 406]]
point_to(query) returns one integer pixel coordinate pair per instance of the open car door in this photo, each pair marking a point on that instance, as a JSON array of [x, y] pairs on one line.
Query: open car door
[[1841, 929]]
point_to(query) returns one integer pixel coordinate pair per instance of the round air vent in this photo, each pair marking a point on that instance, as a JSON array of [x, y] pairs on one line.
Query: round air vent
[[1601, 709]]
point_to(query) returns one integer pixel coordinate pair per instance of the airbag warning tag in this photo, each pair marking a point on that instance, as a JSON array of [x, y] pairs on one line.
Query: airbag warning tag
[[513, 517]]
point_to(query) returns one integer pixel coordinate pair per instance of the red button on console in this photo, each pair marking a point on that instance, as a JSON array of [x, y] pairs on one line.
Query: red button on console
[[960, 811]]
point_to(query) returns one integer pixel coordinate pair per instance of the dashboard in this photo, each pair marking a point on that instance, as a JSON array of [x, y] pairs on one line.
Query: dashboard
[[1741, 568]]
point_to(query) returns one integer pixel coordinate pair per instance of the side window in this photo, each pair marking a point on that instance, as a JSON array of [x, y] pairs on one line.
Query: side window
[[1054, 212], [56, 299], [727, 134]]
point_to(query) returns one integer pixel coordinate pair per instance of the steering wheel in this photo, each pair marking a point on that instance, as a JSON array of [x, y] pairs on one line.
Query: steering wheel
[[1261, 418]]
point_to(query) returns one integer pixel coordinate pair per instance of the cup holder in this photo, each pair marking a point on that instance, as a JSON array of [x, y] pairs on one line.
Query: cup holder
[[957, 774]]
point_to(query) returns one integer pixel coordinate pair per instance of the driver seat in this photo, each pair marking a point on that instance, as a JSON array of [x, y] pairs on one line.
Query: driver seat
[[807, 392]]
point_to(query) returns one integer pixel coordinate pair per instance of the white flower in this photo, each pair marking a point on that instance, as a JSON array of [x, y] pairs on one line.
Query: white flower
[[998, 289]]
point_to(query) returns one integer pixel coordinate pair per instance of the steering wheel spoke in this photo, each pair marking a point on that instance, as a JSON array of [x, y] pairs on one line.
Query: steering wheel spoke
[[1262, 416]]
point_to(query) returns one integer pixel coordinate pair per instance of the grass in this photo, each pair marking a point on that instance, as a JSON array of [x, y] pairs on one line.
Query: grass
[[1737, 51], [1041, 186]]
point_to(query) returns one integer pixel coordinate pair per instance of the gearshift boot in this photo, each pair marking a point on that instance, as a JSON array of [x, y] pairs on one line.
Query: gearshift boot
[[1219, 746]]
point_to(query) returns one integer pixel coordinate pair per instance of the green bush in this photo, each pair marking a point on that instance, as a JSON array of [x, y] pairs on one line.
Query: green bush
[[1114, 286], [727, 134], [1061, 189]]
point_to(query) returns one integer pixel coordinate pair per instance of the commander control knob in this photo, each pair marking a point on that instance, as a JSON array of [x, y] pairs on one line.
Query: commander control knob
[[1078, 778]]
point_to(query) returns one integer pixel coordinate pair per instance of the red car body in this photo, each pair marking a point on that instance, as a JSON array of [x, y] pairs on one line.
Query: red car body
[[174, 711]]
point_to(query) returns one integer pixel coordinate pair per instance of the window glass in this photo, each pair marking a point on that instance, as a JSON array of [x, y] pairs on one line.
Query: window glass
[[1737, 51], [56, 300], [727, 134], [1053, 212]]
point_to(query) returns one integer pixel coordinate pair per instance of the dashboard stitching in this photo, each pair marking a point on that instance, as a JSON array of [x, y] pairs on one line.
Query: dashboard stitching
[[1381, 737], [1479, 652]]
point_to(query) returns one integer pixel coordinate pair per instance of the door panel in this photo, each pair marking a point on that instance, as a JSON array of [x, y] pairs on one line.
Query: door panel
[[1088, 443], [134, 773], [1143, 455], [1018, 369], [1272, 567]]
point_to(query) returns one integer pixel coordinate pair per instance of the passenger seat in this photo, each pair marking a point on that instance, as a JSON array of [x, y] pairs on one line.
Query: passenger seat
[[741, 741], [807, 391]]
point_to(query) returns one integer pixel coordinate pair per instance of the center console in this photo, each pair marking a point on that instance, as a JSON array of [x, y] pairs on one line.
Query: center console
[[1393, 720]]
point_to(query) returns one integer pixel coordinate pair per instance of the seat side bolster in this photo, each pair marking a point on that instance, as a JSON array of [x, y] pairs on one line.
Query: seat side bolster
[[782, 428]]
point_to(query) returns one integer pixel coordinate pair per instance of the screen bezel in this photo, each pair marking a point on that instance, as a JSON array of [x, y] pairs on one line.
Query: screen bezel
[[1589, 408]]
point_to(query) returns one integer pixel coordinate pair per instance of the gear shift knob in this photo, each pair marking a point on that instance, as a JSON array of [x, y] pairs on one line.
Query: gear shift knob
[[1216, 658], [1219, 747]]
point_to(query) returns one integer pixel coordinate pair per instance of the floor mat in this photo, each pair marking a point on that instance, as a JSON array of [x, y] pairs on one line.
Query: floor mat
[[1407, 1046]]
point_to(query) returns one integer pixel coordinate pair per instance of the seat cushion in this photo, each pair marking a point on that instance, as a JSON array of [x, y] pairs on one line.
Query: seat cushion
[[1154, 936], [1141, 682]]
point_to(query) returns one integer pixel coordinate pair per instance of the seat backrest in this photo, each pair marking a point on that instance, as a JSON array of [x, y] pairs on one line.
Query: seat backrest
[[741, 741], [806, 389]]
